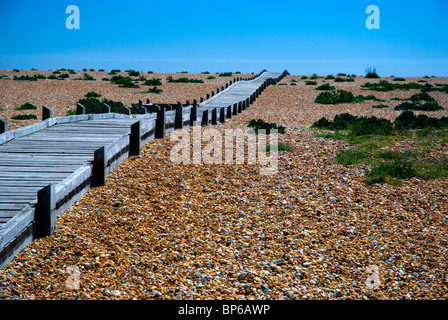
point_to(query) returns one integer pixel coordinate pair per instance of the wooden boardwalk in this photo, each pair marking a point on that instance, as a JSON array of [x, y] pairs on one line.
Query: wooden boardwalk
[[46, 167]]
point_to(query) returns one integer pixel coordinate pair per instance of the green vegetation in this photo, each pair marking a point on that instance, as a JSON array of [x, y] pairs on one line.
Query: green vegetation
[[123, 82], [325, 86], [310, 83], [398, 79], [371, 73], [94, 105], [133, 73], [92, 94], [114, 71], [205, 72], [25, 78], [86, 77], [260, 124], [329, 77], [279, 147], [339, 79], [25, 117], [225, 74], [153, 82], [27, 106], [379, 106], [211, 77], [372, 140], [334, 97], [153, 90], [303, 77], [184, 80], [420, 101], [384, 85]]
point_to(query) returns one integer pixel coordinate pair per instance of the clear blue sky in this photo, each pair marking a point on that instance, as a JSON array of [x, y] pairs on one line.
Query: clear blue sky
[[326, 37]]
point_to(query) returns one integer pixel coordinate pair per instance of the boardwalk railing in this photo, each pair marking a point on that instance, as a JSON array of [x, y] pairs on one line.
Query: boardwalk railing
[[37, 217]]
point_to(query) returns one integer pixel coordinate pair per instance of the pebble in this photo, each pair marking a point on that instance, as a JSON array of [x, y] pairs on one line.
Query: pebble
[[264, 288]]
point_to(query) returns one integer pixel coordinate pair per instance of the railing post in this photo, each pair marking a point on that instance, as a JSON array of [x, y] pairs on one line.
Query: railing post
[[44, 212], [222, 115], [127, 111], [99, 168], [247, 102], [243, 106], [80, 109], [207, 97], [201, 99], [195, 102], [235, 109], [160, 124], [229, 112], [135, 143], [143, 110], [3, 125], [205, 118], [217, 90], [214, 116], [178, 120], [46, 113], [148, 101], [213, 93], [193, 114], [240, 107]]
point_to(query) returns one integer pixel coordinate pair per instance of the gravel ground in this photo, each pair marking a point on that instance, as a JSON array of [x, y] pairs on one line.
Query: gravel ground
[[313, 230]]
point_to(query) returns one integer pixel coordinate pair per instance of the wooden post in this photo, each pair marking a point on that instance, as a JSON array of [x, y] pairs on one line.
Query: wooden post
[[240, 107], [140, 103], [243, 106], [160, 124], [229, 112], [3, 125], [201, 99], [251, 99], [213, 93], [178, 120], [195, 102], [44, 212], [217, 90], [99, 168], [222, 87], [222, 115], [205, 118], [247, 102], [46, 113], [214, 116], [207, 97], [127, 111], [235, 109], [227, 85], [80, 109], [106, 108], [186, 104], [148, 101], [193, 115], [135, 143], [143, 110]]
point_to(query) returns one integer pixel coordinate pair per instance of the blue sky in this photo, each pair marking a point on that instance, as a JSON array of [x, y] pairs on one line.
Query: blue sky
[[304, 37]]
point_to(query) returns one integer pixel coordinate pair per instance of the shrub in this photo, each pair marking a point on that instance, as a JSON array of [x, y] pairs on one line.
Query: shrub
[[260, 124], [123, 82], [314, 76], [334, 97], [25, 117], [303, 77], [133, 73], [310, 83], [25, 78], [325, 86], [211, 77], [94, 105], [356, 125], [225, 74], [52, 77], [329, 77], [114, 71], [339, 79], [64, 76], [153, 82], [86, 77], [184, 80], [92, 94], [40, 76], [205, 72], [371, 73], [398, 79], [27, 106], [154, 90]]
